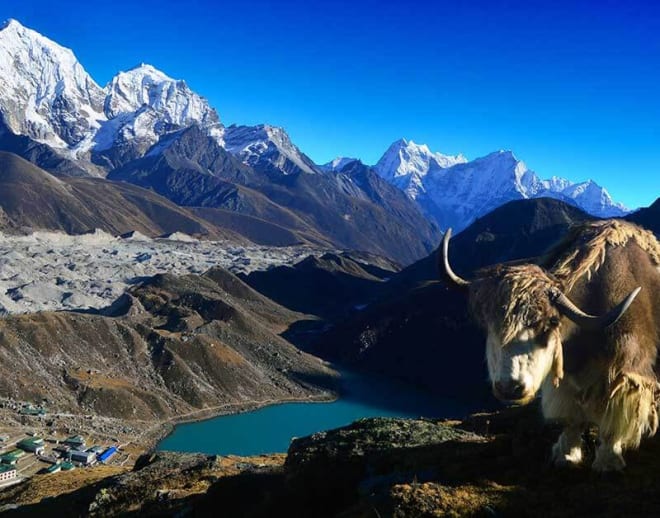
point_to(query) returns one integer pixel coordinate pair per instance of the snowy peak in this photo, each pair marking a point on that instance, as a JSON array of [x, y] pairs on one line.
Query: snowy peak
[[406, 163], [455, 192], [591, 197], [266, 146], [44, 91], [143, 103], [337, 164], [557, 184], [146, 86], [46, 94], [502, 170], [404, 158]]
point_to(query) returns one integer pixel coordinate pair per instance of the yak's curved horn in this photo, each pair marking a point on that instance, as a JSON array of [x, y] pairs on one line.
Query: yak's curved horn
[[449, 273], [572, 312]]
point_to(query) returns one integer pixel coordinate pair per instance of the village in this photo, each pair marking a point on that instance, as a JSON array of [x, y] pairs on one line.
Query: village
[[37, 449]]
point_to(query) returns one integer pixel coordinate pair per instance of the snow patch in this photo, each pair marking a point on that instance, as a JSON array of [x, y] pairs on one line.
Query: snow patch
[[263, 143]]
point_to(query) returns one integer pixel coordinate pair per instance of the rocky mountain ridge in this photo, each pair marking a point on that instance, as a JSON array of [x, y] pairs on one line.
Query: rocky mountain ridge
[[148, 129], [455, 191], [48, 97]]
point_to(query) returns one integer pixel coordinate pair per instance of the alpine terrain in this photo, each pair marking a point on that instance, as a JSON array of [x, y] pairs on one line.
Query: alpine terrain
[[453, 191], [149, 129]]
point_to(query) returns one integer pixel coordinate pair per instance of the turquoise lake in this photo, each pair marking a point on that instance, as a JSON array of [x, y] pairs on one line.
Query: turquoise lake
[[270, 429]]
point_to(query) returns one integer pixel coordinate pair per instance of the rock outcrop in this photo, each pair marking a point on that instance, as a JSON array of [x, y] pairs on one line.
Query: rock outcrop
[[487, 465]]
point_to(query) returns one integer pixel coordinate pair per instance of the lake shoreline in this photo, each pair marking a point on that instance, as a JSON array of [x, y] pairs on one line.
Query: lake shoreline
[[238, 429], [165, 429]]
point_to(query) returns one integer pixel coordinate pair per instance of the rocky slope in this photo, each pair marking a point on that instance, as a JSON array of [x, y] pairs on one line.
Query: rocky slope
[[31, 198], [516, 230], [328, 286], [487, 465], [648, 217], [169, 348], [352, 209]]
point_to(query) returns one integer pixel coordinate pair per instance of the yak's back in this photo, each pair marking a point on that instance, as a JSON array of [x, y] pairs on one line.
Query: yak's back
[[583, 251]]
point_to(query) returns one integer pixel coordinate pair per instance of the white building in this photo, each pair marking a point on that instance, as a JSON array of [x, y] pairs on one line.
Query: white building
[[7, 473]]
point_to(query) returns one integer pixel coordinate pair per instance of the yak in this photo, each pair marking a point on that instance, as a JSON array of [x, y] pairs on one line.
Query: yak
[[581, 325]]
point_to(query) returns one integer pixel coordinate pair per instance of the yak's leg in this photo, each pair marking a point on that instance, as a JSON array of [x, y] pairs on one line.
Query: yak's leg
[[567, 451], [609, 456], [630, 414], [560, 404]]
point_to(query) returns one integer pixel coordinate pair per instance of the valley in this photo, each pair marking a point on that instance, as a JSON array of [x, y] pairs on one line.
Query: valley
[[172, 281]]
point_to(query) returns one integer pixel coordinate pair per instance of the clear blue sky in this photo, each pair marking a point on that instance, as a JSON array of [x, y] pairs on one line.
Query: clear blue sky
[[572, 87]]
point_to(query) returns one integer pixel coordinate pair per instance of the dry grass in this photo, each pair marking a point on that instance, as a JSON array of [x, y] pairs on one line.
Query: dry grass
[[433, 499], [39, 487]]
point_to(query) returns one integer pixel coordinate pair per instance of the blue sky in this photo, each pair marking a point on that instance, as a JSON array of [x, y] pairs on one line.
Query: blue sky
[[572, 87]]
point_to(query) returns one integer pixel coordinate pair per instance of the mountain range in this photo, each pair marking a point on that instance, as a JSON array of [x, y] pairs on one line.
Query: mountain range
[[454, 192], [151, 130]]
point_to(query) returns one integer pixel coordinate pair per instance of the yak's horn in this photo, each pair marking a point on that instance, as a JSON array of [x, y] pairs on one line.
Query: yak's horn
[[571, 311], [449, 273]]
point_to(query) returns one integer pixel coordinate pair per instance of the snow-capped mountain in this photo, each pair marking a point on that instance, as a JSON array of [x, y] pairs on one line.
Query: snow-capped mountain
[[144, 102], [47, 95], [454, 192], [127, 128], [45, 92], [592, 198], [268, 147], [405, 164]]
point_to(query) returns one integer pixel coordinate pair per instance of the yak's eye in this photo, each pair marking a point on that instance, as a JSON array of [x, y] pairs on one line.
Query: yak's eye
[[554, 321]]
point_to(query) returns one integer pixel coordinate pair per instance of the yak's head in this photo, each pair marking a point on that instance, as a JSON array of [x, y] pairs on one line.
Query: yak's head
[[521, 308]]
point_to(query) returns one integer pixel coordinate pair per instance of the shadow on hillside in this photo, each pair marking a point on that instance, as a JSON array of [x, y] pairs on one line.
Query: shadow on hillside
[[507, 475], [379, 394], [389, 467]]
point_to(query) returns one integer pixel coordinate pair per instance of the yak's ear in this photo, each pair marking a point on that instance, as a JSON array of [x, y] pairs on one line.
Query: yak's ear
[[446, 273]]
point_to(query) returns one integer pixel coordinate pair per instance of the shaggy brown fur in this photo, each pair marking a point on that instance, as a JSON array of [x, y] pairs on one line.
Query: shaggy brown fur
[[513, 298], [610, 374], [584, 249]]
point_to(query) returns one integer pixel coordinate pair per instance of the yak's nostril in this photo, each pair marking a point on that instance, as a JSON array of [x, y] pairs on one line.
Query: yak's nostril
[[510, 390]]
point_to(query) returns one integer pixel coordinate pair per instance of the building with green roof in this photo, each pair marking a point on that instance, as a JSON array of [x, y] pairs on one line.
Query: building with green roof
[[11, 457], [32, 444], [54, 468], [75, 441]]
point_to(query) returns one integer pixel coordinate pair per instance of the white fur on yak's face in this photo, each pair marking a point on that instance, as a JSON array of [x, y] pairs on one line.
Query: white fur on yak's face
[[513, 304], [523, 362]]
